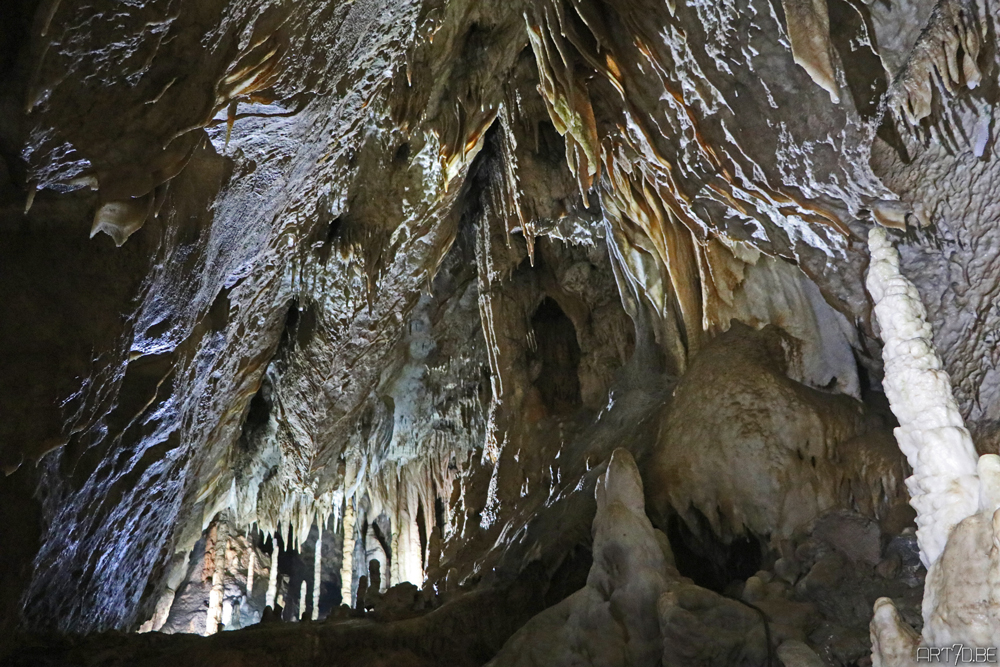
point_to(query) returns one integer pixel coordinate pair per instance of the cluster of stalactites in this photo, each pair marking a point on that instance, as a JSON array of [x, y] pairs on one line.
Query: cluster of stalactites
[[410, 493], [415, 496], [233, 556], [657, 230], [407, 494], [946, 51]]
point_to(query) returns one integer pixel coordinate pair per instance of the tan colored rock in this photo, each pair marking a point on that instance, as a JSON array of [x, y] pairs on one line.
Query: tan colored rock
[[613, 620], [793, 444]]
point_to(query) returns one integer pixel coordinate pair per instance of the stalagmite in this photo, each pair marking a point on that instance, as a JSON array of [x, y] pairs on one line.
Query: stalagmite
[[893, 641], [612, 620], [227, 613], [250, 568], [956, 496], [347, 568], [281, 597], [395, 568], [272, 575], [944, 488], [317, 568], [214, 616], [362, 593], [434, 550], [374, 578], [302, 600]]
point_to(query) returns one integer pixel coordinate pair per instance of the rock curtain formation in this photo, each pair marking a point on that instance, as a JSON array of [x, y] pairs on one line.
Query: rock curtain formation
[[449, 332]]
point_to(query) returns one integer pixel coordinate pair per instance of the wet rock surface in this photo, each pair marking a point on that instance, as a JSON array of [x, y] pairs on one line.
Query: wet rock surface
[[444, 332]]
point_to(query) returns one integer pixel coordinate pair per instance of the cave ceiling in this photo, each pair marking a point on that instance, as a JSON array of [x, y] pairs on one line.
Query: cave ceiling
[[394, 311]]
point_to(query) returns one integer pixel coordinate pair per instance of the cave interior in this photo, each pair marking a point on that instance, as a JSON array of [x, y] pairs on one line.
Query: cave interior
[[526, 333]]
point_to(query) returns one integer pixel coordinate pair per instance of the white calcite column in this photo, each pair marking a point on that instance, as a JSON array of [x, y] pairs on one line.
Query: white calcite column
[[214, 616], [317, 567], [944, 488], [955, 493], [272, 575], [250, 568], [347, 567]]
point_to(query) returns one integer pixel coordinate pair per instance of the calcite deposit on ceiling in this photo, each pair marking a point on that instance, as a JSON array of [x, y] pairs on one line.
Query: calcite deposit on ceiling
[[530, 332]]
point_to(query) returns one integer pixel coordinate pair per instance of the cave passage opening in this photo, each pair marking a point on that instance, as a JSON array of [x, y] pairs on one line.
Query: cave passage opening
[[710, 561], [556, 358]]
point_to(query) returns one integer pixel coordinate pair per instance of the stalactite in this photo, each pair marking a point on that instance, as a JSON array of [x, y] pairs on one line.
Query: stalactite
[[809, 32], [512, 200], [657, 166], [665, 267], [945, 53], [121, 219]]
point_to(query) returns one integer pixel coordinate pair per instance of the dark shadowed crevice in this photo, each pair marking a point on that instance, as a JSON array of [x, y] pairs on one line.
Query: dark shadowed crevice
[[709, 561], [570, 576], [556, 358]]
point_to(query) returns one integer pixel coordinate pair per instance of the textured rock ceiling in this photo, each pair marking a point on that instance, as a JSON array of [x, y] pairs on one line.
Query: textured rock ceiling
[[293, 288]]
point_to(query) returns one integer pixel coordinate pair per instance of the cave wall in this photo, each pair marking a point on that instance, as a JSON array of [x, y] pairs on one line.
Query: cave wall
[[411, 272]]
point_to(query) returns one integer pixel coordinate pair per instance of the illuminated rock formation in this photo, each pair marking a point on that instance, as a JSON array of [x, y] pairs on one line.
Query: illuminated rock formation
[[374, 313], [945, 487], [801, 451], [954, 492], [611, 621]]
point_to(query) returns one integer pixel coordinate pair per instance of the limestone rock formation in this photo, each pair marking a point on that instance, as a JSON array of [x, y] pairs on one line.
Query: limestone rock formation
[[613, 619], [535, 331], [956, 496], [801, 451]]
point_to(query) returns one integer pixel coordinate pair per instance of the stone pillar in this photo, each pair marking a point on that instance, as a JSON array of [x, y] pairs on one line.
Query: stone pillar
[[347, 568], [272, 575], [214, 616], [250, 568], [317, 567], [395, 569]]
